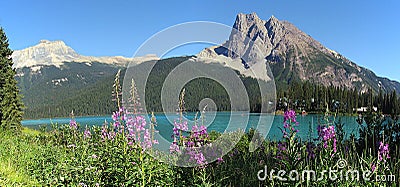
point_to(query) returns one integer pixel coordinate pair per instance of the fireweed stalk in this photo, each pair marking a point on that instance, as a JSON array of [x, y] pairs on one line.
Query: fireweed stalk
[[327, 135], [383, 156], [288, 151], [192, 143], [132, 126]]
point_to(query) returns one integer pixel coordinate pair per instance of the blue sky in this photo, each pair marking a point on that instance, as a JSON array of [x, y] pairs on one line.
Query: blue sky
[[367, 32]]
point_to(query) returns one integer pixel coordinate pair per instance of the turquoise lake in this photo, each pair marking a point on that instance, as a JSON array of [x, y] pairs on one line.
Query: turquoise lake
[[222, 122]]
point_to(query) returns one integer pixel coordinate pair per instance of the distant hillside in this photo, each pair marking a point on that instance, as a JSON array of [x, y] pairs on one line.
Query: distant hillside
[[55, 92], [87, 90]]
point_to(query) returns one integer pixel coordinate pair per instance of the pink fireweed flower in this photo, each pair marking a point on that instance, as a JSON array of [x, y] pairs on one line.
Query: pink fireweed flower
[[155, 142], [115, 116], [104, 132], [87, 134], [195, 131], [383, 152], [373, 167], [289, 123], [200, 159], [175, 131], [147, 143], [174, 148], [140, 123], [290, 115], [196, 156], [203, 130], [116, 124], [327, 135], [181, 126], [73, 124], [220, 160]]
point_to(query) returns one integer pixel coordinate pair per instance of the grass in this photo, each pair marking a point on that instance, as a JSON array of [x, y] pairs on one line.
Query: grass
[[14, 151]]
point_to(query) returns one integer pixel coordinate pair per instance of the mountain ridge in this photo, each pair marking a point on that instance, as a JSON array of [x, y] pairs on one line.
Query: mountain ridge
[[56, 52], [295, 56]]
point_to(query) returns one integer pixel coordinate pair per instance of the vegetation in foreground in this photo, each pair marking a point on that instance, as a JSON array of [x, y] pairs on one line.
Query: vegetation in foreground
[[118, 154]]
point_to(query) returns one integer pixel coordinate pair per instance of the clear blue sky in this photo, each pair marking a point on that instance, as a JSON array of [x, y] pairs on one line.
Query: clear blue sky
[[367, 32]]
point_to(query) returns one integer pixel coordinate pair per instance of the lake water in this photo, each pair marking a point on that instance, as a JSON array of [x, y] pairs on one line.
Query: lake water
[[221, 122]]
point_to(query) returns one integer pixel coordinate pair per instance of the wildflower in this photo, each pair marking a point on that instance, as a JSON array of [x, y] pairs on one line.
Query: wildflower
[[203, 130], [195, 131], [289, 121], [200, 159], [116, 124], [87, 134], [196, 156], [190, 143], [104, 133], [290, 115], [383, 152], [147, 143], [327, 134], [140, 123], [174, 148], [115, 116], [72, 124], [111, 135], [155, 142], [373, 167], [282, 148], [176, 131], [94, 156], [181, 126], [220, 160]]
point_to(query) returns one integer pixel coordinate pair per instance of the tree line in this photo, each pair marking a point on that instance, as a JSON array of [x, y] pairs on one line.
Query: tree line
[[316, 98]]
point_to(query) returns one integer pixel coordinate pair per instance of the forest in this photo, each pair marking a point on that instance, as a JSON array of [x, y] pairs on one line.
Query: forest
[[95, 99]]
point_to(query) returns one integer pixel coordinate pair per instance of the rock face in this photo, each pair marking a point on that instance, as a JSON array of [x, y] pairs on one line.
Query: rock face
[[47, 53], [294, 56]]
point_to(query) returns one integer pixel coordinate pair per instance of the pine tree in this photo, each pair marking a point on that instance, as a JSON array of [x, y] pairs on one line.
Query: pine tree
[[10, 100], [394, 103]]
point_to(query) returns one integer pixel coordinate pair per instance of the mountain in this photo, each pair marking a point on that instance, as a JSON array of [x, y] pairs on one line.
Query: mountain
[[55, 80], [55, 53], [294, 56], [55, 92]]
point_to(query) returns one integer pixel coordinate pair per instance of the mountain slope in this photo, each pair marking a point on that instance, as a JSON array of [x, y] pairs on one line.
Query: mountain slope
[[55, 91], [295, 56], [57, 52], [55, 80]]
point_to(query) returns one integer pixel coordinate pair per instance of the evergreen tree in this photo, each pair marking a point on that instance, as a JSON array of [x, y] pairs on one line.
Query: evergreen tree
[[394, 103], [10, 101]]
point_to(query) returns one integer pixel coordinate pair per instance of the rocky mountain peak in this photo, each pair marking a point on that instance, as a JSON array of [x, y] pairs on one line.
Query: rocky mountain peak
[[273, 20], [293, 55], [245, 21], [47, 53]]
